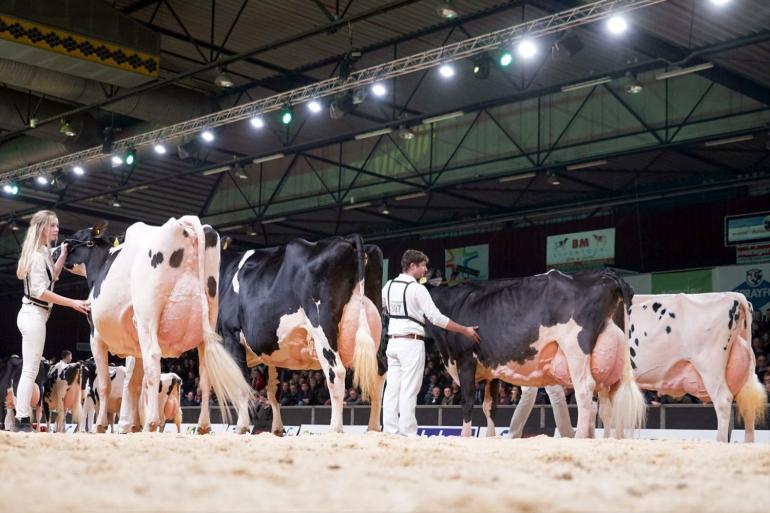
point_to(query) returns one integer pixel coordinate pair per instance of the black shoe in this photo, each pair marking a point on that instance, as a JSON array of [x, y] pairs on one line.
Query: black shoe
[[23, 425]]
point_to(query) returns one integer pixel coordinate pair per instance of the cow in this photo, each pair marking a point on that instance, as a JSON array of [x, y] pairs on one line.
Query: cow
[[306, 305], [10, 372], [548, 329], [155, 295], [117, 375], [698, 344], [63, 393], [169, 403]]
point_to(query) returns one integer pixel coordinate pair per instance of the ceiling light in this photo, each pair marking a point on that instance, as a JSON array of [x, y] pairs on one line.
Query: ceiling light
[[224, 79], [481, 67], [633, 85], [520, 176], [583, 85], [585, 165], [506, 58], [275, 156], [287, 114], [240, 173], [66, 128], [379, 89], [442, 117], [159, 148], [314, 106], [730, 140], [15, 226], [130, 159], [257, 122], [384, 210], [553, 178], [446, 71], [215, 171], [684, 71], [11, 188], [527, 49], [617, 25], [410, 196], [406, 134], [373, 133], [43, 179], [115, 201], [274, 220], [33, 122], [207, 135], [357, 205], [720, 3], [447, 10], [78, 170], [117, 160]]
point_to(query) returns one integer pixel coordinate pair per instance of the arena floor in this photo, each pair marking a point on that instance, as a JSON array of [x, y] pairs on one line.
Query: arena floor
[[376, 472]]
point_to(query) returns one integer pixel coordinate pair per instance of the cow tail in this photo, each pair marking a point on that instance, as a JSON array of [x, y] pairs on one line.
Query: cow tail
[[365, 367], [629, 410], [225, 375], [752, 397]]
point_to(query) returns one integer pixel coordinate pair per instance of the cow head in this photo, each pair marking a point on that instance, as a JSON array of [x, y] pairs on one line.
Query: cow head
[[81, 247]]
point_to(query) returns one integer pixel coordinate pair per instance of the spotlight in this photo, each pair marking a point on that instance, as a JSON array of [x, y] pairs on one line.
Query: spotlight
[[159, 149], [15, 226], [257, 122], [115, 201], [78, 170], [527, 49], [117, 160], [447, 10], [481, 67], [130, 158], [33, 122], [617, 25], [314, 106], [720, 3], [11, 188], [43, 179], [287, 115], [66, 128], [506, 58], [633, 85], [379, 89], [405, 133], [553, 178], [384, 210], [446, 71], [240, 173], [207, 135], [343, 104], [224, 79]]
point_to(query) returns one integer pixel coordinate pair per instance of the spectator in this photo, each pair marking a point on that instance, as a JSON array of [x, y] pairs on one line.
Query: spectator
[[189, 399], [757, 345], [305, 395], [503, 396], [516, 394], [353, 397], [457, 397], [767, 383], [435, 396], [448, 398], [761, 366], [429, 386]]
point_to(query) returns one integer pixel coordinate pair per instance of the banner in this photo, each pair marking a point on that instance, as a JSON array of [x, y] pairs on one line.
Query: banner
[[468, 263], [747, 228], [752, 253], [580, 250], [688, 282], [444, 431], [749, 280], [641, 283]]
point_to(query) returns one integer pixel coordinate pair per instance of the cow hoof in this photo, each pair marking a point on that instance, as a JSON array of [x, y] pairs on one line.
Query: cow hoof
[[204, 430], [101, 429], [152, 427], [243, 431], [136, 429], [278, 432]]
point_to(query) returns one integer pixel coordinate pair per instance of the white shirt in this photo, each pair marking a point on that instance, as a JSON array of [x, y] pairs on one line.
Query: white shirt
[[37, 279], [419, 305]]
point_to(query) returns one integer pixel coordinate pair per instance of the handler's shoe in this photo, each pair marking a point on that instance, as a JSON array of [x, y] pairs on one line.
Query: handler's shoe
[[23, 424]]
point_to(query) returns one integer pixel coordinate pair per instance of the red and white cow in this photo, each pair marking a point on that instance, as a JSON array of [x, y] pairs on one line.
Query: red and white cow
[[155, 296], [697, 344]]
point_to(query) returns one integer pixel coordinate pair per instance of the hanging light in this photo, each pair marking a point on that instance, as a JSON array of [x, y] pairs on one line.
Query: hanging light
[[481, 67], [66, 128], [43, 179], [314, 106], [446, 71], [379, 89], [130, 158], [257, 122], [617, 25], [115, 201], [78, 170], [207, 135], [224, 79], [506, 58], [447, 10], [11, 188], [527, 49], [633, 85], [553, 178], [159, 148], [116, 160]]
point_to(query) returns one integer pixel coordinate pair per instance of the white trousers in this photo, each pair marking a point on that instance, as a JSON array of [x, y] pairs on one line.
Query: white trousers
[[31, 323], [406, 364], [558, 405]]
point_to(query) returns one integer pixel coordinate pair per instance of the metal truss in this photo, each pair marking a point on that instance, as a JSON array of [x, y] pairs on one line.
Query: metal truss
[[535, 28]]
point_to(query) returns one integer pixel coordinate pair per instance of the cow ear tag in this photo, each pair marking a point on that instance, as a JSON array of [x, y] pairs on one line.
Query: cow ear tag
[[225, 244], [423, 280], [115, 242]]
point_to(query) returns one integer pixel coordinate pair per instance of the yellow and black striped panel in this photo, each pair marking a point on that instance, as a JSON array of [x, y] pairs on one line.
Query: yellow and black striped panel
[[66, 43]]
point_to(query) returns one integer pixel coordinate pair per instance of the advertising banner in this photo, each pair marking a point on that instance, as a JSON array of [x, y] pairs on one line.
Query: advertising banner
[[749, 280], [468, 263], [641, 283], [688, 282], [752, 253], [747, 228], [444, 431], [581, 250]]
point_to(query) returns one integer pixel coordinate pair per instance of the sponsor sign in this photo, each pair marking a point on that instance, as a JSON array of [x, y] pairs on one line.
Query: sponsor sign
[[468, 263], [192, 429], [747, 228], [752, 253], [750, 280], [429, 431], [581, 249], [320, 429], [737, 436], [499, 431], [689, 282]]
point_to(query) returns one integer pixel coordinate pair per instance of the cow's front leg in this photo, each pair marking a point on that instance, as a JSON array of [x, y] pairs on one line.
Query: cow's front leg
[[467, 373], [579, 366], [273, 386], [331, 365], [99, 350], [151, 365], [204, 419], [491, 388], [129, 405]]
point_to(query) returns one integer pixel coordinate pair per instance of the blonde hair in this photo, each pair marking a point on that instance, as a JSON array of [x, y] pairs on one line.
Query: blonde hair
[[37, 236]]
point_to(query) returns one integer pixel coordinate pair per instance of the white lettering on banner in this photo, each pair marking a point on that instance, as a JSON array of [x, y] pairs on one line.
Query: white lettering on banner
[[581, 248], [320, 429], [737, 436]]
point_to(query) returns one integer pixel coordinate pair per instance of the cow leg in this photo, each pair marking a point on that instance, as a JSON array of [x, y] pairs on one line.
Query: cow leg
[[129, 405], [376, 404], [491, 388], [722, 399], [204, 419], [151, 366], [522, 411], [332, 367], [605, 413], [60, 413], [38, 415], [467, 374], [561, 411], [579, 366], [273, 386], [99, 350]]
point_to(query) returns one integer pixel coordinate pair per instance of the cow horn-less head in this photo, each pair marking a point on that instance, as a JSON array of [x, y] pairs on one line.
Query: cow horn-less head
[[99, 230]]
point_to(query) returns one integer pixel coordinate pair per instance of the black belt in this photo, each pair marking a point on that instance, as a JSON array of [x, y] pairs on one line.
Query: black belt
[[37, 303], [408, 335]]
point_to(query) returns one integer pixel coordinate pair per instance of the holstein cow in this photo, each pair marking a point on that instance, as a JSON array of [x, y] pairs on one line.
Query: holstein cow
[[91, 398], [697, 344], [169, 403], [305, 306], [10, 372], [64, 393], [547, 329], [155, 296]]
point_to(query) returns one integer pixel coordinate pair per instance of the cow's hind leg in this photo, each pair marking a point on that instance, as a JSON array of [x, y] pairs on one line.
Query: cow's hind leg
[[467, 372], [204, 419], [129, 405], [331, 365], [273, 386], [151, 365], [99, 350], [489, 406], [605, 413], [376, 404]]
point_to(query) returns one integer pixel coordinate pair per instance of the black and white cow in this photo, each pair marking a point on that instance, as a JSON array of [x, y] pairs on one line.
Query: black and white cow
[[63, 393], [155, 295], [547, 329], [90, 386], [169, 400], [10, 372], [306, 305]]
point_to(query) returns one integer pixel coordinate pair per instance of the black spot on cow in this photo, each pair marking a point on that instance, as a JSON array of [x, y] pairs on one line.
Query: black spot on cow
[[644, 307], [633, 365], [185, 233], [90, 322], [663, 312], [149, 253], [668, 329], [330, 357], [212, 286], [636, 341], [211, 236], [632, 328], [176, 258], [633, 352], [645, 333], [160, 387], [655, 307], [156, 259], [732, 315], [331, 376], [724, 348], [672, 315]]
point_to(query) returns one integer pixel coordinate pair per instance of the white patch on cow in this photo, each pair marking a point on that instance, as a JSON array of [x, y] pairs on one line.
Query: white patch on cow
[[115, 249], [79, 269], [236, 285], [451, 368]]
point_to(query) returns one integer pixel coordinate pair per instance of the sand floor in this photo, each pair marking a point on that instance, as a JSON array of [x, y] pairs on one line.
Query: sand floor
[[376, 472]]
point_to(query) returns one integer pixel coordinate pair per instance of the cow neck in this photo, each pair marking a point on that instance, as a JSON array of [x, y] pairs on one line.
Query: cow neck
[[96, 261]]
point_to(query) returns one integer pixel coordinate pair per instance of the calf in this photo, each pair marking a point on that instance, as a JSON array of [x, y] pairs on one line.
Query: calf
[[169, 403], [64, 393], [117, 375]]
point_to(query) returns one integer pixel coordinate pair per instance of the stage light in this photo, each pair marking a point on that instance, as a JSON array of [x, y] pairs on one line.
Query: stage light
[[506, 58], [446, 71], [287, 115], [617, 25], [207, 135], [314, 106], [526, 49], [78, 170], [159, 148], [257, 122], [379, 89]]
